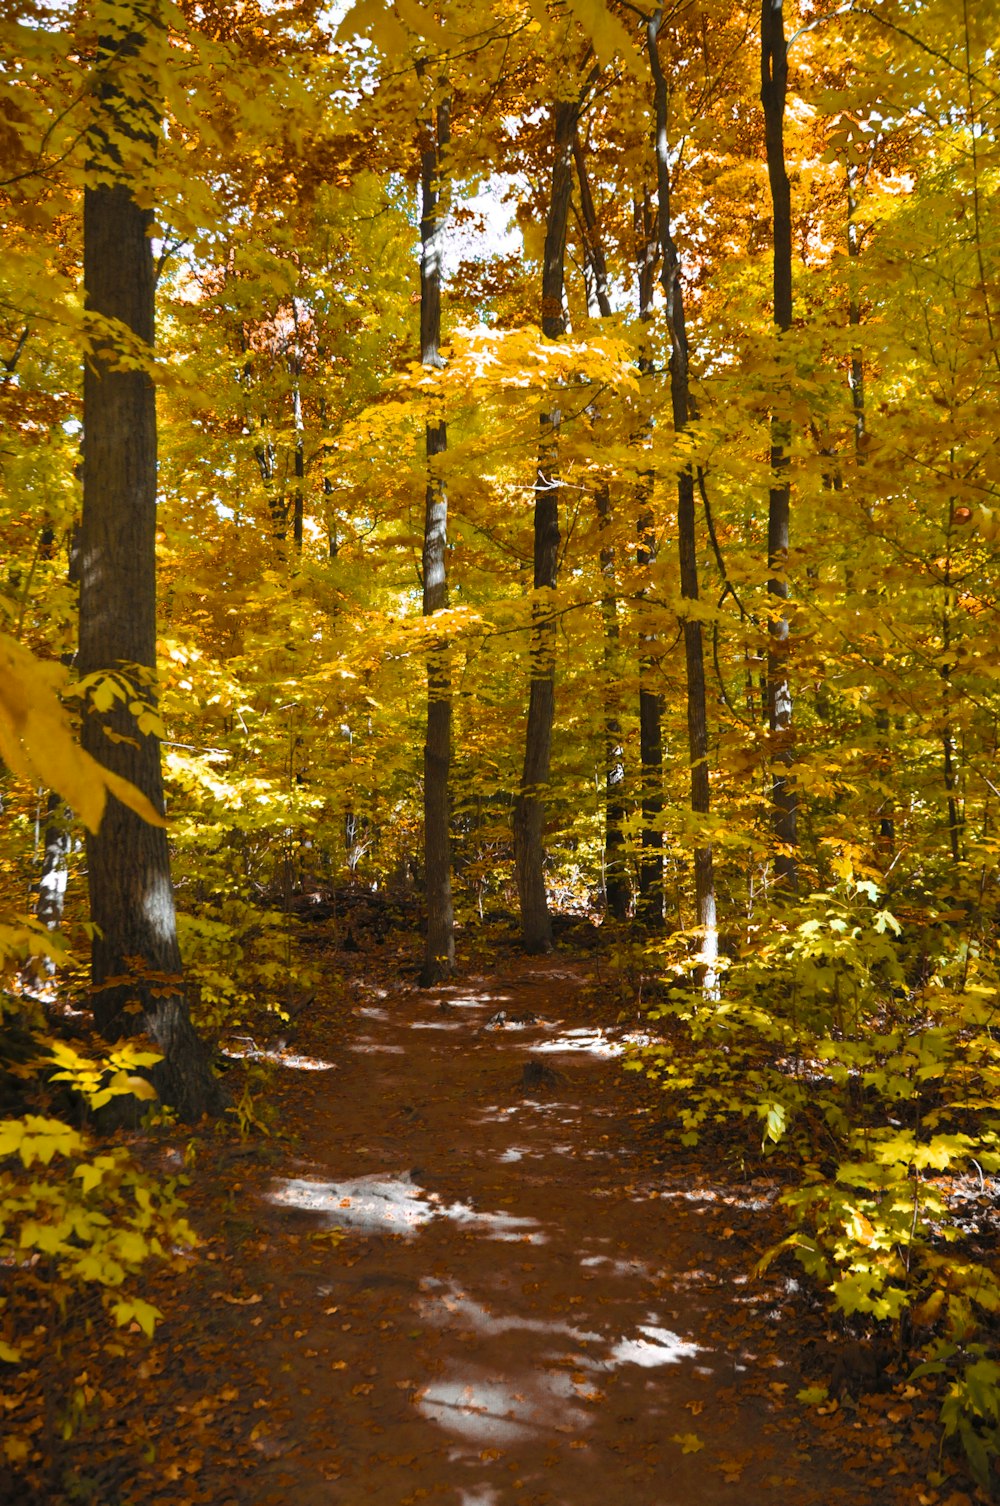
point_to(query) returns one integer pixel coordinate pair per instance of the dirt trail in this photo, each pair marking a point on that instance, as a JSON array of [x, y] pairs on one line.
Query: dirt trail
[[515, 1312]]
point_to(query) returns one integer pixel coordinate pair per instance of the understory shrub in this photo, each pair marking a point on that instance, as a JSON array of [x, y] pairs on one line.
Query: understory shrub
[[881, 1084], [78, 1220]]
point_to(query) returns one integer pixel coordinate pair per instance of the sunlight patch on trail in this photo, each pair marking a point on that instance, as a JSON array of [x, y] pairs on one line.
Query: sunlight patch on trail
[[484, 1409], [587, 1041], [394, 1205], [436, 1025], [539, 1376], [475, 1001], [613, 1265], [481, 1495], [279, 1058], [446, 1306], [653, 1346]]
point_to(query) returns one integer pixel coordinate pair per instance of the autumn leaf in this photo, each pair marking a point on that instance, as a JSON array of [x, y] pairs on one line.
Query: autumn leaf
[[37, 743]]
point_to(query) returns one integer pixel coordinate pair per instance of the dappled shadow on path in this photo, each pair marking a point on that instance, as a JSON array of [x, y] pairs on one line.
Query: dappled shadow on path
[[496, 1306]]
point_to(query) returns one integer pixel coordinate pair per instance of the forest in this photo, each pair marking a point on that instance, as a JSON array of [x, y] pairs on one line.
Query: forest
[[499, 729]]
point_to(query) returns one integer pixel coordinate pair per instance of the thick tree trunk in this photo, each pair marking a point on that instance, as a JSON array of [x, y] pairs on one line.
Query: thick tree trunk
[[529, 810], [784, 796], [439, 954], [681, 408], [136, 961]]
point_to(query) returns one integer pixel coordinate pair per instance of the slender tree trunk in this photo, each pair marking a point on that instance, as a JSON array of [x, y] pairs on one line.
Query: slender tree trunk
[[955, 817], [54, 873], [529, 809], [58, 834], [616, 885], [784, 796], [681, 409], [439, 954], [649, 905], [593, 248], [136, 961], [650, 901], [887, 824], [616, 888], [299, 458]]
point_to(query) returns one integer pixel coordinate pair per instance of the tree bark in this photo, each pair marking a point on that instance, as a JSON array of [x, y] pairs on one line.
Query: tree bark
[[956, 820], [136, 963], [650, 901], [616, 886], [649, 905], [299, 458], [439, 953], [529, 809], [681, 411], [887, 824], [593, 248], [784, 795], [54, 875]]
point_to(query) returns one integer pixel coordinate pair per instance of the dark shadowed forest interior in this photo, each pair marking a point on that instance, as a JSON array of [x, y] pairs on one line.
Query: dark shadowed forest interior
[[499, 727]]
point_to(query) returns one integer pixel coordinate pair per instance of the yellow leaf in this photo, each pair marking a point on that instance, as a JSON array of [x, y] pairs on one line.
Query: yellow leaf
[[143, 1313], [607, 34], [37, 743], [141, 1087]]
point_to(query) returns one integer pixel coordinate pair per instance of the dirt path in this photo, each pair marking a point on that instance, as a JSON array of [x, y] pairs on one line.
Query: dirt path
[[466, 1292]]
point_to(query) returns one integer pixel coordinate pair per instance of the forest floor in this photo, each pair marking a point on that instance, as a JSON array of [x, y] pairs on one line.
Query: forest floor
[[445, 1279]]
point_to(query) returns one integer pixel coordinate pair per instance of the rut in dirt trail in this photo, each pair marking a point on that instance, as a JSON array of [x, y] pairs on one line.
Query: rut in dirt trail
[[507, 1310]]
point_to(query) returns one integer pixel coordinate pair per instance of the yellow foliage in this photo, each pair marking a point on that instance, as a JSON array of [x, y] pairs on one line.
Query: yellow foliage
[[37, 743]]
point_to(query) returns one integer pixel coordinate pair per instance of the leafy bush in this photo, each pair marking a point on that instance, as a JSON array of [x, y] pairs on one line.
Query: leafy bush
[[879, 1086], [78, 1221]]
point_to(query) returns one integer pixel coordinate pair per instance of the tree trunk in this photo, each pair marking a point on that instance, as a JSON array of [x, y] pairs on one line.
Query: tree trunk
[[616, 887], [439, 954], [54, 874], [650, 901], [299, 458], [593, 249], [529, 810], [681, 408], [136, 963], [887, 824], [955, 816], [784, 796]]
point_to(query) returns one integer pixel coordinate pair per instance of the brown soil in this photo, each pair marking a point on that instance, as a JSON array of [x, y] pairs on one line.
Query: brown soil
[[470, 1286]]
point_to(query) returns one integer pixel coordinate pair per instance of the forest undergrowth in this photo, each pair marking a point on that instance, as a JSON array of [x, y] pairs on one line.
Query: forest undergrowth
[[837, 1165]]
